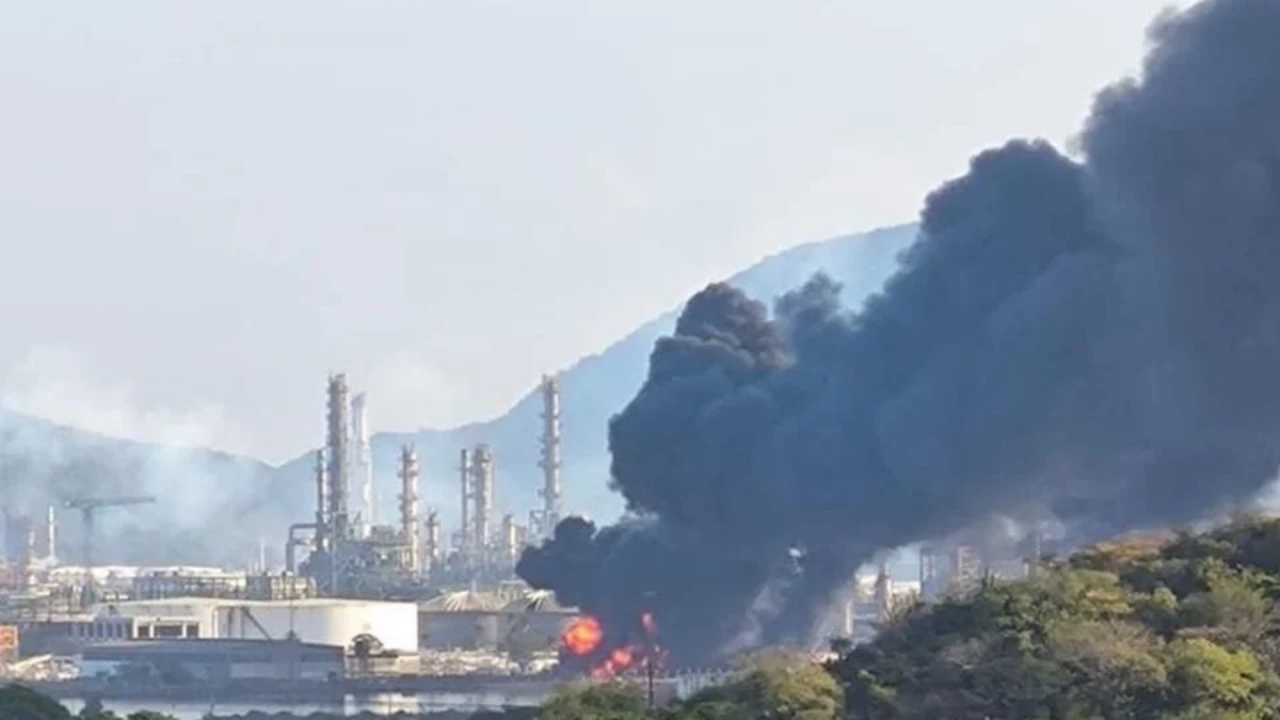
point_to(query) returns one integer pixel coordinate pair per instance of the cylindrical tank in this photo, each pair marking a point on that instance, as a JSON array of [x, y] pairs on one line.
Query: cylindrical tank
[[324, 621]]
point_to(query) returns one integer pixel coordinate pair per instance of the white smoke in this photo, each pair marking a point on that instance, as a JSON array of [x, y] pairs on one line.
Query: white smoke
[[117, 445], [405, 391], [54, 383]]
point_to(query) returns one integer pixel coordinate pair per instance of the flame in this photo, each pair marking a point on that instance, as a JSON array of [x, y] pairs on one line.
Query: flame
[[583, 635], [620, 658], [618, 661]]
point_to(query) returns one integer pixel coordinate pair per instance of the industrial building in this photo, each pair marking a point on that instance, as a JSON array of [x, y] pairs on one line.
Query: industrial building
[[960, 564], [516, 623], [379, 592], [346, 554], [872, 601], [213, 661]]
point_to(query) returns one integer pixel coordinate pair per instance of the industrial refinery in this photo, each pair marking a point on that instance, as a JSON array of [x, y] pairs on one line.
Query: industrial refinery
[[358, 596], [405, 595], [343, 552]]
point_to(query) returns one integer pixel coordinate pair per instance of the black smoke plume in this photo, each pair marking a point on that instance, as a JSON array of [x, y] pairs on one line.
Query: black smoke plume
[[1096, 340]]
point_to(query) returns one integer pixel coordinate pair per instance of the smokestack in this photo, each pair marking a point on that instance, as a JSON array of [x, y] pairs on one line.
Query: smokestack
[[28, 564], [322, 503], [514, 538], [928, 571], [51, 535], [466, 532], [883, 591], [362, 462], [409, 533], [482, 485], [432, 542], [338, 455], [550, 460]]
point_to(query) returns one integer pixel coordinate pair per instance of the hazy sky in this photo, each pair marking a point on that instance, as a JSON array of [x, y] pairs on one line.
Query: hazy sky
[[206, 207]]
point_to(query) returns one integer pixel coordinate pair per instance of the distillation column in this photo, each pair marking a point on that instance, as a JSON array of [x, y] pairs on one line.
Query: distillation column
[[362, 462], [550, 460], [465, 531], [482, 489], [409, 531], [51, 536], [432, 542], [322, 504], [338, 456]]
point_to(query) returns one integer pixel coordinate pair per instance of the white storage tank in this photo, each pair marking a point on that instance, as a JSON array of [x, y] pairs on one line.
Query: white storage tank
[[324, 621]]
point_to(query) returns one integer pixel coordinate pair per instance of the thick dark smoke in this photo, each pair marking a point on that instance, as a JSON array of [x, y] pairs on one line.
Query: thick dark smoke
[[1099, 341]]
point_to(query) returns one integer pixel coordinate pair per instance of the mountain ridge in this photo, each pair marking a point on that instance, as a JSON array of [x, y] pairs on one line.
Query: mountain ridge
[[214, 486]]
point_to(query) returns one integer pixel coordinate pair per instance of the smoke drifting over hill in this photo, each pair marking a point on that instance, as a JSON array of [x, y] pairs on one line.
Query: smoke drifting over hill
[[1099, 341]]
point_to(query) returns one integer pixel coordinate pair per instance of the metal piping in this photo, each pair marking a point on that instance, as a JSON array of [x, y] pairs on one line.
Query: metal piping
[[290, 552], [410, 535]]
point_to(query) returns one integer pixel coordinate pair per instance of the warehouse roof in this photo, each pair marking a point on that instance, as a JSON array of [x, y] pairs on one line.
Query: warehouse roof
[[463, 601], [537, 601]]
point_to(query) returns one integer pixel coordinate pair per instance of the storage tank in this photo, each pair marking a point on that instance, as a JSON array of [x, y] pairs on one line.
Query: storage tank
[[538, 614], [324, 621], [462, 620]]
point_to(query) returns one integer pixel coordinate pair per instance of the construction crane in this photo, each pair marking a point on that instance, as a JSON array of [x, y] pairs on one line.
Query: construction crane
[[88, 507]]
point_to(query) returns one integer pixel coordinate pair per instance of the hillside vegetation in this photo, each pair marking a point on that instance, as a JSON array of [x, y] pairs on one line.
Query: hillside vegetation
[[1180, 626]]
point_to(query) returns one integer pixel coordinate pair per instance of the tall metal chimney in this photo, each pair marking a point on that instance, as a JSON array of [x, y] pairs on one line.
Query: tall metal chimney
[[432, 542], [550, 460], [322, 503], [51, 535], [511, 540], [482, 486], [28, 562], [883, 591], [362, 461], [337, 444], [409, 532], [929, 574], [466, 533]]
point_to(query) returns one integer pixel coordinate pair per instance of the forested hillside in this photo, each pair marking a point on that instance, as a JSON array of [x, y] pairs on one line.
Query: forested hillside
[[1175, 626]]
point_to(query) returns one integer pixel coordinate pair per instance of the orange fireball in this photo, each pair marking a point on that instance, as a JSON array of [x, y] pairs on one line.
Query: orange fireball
[[583, 635], [620, 658]]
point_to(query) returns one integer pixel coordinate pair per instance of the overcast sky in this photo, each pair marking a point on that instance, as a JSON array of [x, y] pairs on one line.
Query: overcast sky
[[206, 207]]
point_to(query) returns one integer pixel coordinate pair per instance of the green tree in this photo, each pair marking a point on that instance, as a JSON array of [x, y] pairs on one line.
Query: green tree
[[1207, 678], [772, 685], [596, 701], [22, 703], [1182, 625]]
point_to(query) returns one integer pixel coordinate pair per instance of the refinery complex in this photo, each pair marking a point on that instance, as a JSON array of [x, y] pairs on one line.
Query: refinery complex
[[355, 599]]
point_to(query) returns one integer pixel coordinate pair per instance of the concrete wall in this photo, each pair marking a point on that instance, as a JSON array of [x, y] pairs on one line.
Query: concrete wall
[[303, 670], [216, 660]]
